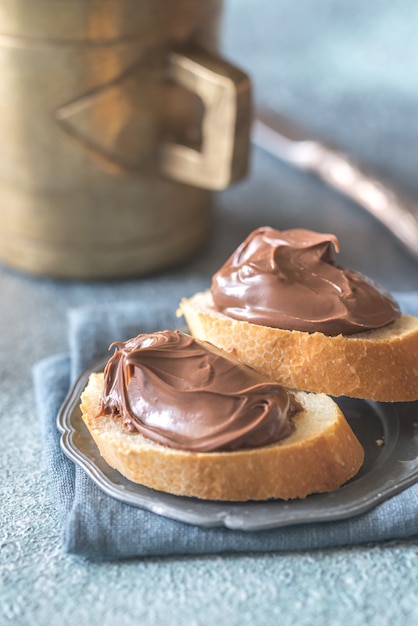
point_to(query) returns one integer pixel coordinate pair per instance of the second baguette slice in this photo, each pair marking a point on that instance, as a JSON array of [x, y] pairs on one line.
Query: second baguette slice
[[380, 365]]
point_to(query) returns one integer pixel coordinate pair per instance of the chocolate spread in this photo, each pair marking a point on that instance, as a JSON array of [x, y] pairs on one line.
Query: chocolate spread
[[289, 279], [187, 394]]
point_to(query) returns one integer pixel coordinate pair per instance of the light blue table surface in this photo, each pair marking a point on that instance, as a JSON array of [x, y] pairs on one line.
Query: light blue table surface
[[348, 70]]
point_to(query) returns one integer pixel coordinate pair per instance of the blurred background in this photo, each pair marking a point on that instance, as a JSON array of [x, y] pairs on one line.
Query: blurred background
[[347, 71]]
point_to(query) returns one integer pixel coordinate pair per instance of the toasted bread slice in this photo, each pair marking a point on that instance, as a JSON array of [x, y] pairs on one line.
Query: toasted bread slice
[[380, 365], [320, 455]]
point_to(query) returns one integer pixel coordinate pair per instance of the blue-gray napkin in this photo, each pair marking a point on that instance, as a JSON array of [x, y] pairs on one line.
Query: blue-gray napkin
[[97, 526]]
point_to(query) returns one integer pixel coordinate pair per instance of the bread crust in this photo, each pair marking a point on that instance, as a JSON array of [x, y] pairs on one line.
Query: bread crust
[[380, 365], [320, 455]]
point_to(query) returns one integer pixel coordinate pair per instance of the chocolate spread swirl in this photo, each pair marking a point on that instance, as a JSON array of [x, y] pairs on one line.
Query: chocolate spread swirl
[[187, 394], [289, 279]]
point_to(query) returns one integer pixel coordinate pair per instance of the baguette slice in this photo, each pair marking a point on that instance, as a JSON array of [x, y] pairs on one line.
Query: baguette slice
[[380, 365], [320, 455]]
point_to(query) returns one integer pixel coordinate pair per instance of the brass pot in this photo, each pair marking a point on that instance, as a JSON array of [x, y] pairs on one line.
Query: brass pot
[[118, 120]]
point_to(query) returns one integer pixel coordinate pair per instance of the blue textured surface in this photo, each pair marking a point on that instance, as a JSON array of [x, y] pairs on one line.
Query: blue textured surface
[[348, 70]]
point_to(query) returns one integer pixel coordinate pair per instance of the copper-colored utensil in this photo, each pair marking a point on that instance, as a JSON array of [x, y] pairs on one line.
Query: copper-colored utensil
[[281, 138]]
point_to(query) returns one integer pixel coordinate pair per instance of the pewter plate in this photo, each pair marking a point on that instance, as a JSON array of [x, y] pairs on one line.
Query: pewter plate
[[388, 433]]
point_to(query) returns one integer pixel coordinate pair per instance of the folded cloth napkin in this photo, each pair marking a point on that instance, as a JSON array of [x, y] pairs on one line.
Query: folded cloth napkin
[[99, 527]]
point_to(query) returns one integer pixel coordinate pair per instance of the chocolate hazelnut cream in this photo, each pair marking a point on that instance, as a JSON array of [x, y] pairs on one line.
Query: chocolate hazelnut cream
[[189, 395], [289, 279]]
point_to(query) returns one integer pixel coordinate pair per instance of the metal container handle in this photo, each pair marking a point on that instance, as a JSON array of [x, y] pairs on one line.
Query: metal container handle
[[225, 92]]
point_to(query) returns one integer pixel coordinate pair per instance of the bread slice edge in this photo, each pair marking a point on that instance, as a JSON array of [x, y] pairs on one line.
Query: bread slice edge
[[380, 365]]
